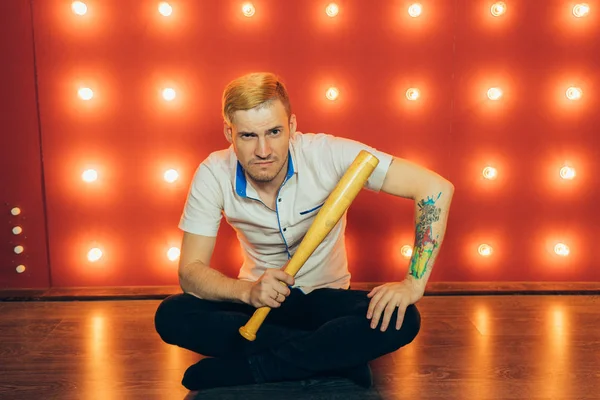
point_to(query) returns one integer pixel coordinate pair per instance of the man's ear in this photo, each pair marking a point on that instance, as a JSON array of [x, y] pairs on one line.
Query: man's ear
[[293, 125], [227, 131]]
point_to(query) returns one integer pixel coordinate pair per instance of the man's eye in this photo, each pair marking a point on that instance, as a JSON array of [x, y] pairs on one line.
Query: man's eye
[[275, 131]]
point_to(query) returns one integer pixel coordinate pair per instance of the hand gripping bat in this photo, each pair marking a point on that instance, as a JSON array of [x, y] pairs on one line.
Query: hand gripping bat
[[334, 207]]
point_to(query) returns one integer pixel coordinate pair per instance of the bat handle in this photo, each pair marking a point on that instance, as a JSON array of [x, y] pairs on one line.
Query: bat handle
[[249, 330]]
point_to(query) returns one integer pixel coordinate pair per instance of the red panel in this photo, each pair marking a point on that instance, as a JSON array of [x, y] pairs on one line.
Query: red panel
[[20, 162], [372, 52]]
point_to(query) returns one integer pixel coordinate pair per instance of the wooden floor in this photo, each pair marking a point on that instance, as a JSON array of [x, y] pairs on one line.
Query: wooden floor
[[475, 348]]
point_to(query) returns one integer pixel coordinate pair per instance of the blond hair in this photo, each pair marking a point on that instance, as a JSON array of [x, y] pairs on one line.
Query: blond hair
[[253, 90]]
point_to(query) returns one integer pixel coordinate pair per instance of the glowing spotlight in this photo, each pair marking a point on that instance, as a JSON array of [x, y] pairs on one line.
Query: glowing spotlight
[[20, 269], [567, 172], [498, 8], [79, 7], [17, 230], [573, 93], [490, 173], [171, 175], [562, 249], [173, 253], [415, 10], [89, 175], [406, 251], [165, 8], [19, 249], [332, 10], [412, 94], [15, 211], [581, 10], [332, 93], [485, 250], [85, 93], [494, 93], [94, 254], [248, 9], [168, 94]]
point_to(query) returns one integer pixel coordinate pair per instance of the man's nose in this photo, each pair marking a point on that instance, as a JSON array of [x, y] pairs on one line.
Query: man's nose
[[263, 149]]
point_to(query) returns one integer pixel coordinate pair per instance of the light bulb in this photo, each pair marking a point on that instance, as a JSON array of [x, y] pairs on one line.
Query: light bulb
[[18, 249], [332, 93], [168, 94], [165, 8], [581, 10], [89, 175], [85, 93], [15, 211], [17, 230], [332, 9], [248, 9], [561, 249], [79, 7], [94, 254], [494, 93], [485, 250], [412, 94], [406, 251], [415, 10], [490, 173], [567, 172], [173, 253], [20, 269], [171, 175], [573, 93], [498, 8]]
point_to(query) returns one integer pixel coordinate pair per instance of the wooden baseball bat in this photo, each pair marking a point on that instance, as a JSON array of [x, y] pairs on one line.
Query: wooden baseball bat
[[334, 207]]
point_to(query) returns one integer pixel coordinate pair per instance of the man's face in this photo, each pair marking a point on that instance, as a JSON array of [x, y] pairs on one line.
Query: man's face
[[260, 138]]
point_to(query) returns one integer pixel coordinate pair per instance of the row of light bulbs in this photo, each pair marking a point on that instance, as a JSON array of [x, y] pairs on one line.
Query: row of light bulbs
[[332, 93], [415, 10]]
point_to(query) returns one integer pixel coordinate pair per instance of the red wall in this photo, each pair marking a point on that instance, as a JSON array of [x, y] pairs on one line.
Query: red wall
[[372, 52]]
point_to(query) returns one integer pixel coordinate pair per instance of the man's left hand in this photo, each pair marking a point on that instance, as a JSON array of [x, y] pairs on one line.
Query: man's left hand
[[386, 298]]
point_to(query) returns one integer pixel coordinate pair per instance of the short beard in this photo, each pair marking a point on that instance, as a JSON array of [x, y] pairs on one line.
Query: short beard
[[266, 178]]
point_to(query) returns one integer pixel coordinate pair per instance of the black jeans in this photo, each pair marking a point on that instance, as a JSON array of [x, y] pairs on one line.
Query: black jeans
[[322, 331]]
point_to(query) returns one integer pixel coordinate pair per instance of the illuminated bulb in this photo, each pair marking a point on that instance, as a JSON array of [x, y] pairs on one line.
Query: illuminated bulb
[[19, 249], [494, 93], [332, 93], [168, 94], [79, 7], [567, 172], [406, 251], [561, 249], [15, 211], [581, 10], [415, 10], [412, 94], [498, 8], [20, 269], [490, 173], [332, 10], [248, 9], [17, 230], [173, 253], [165, 8], [89, 175], [171, 176], [86, 93], [485, 250], [94, 254], [573, 93]]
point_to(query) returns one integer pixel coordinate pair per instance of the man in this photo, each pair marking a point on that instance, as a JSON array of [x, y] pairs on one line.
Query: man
[[269, 185]]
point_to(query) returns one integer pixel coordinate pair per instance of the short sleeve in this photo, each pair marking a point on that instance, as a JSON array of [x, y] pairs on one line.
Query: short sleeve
[[344, 151], [202, 212]]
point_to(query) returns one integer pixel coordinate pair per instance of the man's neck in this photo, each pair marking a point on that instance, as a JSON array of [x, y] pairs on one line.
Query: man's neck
[[272, 187]]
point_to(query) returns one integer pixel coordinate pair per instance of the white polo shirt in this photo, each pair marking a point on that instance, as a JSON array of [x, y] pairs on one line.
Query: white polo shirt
[[270, 237]]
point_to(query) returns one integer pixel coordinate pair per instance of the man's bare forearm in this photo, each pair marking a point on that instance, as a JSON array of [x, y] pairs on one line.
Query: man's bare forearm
[[432, 208], [207, 283]]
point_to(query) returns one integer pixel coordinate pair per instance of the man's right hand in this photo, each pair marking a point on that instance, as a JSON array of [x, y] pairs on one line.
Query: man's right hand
[[269, 290]]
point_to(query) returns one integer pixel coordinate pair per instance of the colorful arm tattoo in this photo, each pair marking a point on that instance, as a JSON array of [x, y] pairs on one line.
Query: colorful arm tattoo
[[427, 238]]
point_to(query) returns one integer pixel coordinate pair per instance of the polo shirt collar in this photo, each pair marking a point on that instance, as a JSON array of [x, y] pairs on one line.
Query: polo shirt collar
[[241, 184]]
